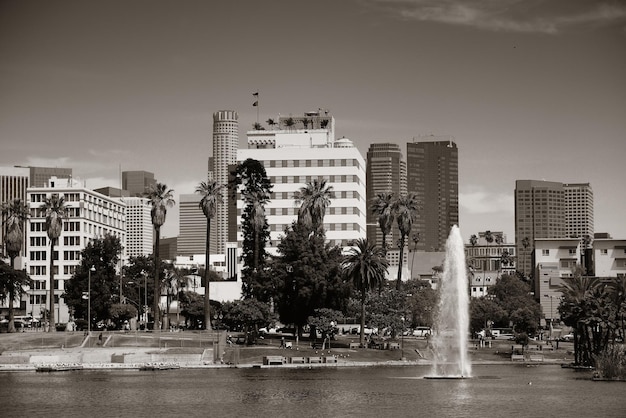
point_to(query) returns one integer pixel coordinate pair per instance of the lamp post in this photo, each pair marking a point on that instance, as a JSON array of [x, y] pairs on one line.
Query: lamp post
[[89, 301], [402, 339], [551, 314]]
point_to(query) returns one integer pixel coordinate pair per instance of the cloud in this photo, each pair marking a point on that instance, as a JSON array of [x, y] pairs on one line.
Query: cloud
[[521, 16], [478, 201]]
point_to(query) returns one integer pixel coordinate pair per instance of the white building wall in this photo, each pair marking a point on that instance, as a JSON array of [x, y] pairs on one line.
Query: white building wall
[[139, 229], [609, 257], [292, 168]]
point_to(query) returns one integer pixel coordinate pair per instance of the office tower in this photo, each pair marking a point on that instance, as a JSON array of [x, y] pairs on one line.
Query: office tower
[[39, 176], [385, 173], [225, 145], [295, 156], [433, 175], [579, 210], [137, 182], [90, 215], [192, 226], [540, 212], [13, 184], [139, 228]]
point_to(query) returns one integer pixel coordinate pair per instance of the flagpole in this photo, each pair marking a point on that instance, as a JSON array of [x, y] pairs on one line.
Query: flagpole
[[256, 104]]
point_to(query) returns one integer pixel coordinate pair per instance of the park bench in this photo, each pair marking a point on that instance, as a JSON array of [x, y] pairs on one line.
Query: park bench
[[394, 346], [315, 360], [297, 360], [273, 360], [536, 358], [355, 345], [330, 359]]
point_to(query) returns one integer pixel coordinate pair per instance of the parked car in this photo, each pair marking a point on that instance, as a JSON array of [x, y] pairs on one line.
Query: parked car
[[567, 337], [422, 332]]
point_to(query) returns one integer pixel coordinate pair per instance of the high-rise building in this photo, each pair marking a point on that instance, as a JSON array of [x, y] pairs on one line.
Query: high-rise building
[[539, 213], [13, 184], [433, 175], [39, 176], [137, 182], [385, 173], [192, 226], [579, 210], [298, 154], [139, 228], [225, 145], [90, 215]]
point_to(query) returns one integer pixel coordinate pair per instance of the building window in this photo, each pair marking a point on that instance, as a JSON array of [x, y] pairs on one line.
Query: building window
[[545, 252], [604, 251]]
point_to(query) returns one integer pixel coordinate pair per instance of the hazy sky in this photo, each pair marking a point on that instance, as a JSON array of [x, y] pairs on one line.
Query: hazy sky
[[529, 89]]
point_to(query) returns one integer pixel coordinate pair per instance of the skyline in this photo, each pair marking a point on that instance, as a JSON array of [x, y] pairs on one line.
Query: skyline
[[527, 89]]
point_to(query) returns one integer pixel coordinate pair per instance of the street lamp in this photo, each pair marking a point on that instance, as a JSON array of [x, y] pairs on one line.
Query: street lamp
[[402, 339], [89, 301]]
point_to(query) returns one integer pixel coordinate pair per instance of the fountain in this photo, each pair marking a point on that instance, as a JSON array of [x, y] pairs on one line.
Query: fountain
[[450, 333]]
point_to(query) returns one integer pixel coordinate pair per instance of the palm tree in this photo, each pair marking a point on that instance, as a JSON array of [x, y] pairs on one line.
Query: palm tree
[[271, 123], [313, 199], [365, 266], [383, 207], [489, 239], [289, 123], [405, 209], [160, 198], [211, 192], [257, 201], [306, 122], [15, 214], [55, 210], [416, 239], [257, 126]]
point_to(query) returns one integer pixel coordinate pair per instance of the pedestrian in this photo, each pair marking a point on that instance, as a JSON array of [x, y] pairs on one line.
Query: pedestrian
[[100, 339]]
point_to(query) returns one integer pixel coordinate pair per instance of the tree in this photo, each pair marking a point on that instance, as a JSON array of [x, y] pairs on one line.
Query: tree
[[489, 239], [55, 210], [405, 209], [525, 246], [15, 214], [211, 192], [271, 123], [305, 122], [289, 123], [306, 275], [382, 207], [365, 266], [505, 259], [247, 316], [257, 126], [313, 199], [12, 284], [250, 179], [515, 299], [416, 239], [161, 198], [192, 308], [103, 255], [324, 320]]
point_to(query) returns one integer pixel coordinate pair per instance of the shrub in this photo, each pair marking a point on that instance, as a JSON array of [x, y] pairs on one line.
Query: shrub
[[611, 363]]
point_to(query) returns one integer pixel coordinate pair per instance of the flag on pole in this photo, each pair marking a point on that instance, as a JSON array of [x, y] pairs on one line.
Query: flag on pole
[[255, 103], [256, 94]]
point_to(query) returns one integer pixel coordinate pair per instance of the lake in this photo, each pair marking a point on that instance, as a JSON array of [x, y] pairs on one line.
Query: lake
[[494, 391]]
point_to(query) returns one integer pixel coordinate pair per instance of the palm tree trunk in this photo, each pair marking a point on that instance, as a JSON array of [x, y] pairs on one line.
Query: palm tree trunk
[[207, 253], [157, 264], [51, 319], [11, 297], [362, 332], [400, 263]]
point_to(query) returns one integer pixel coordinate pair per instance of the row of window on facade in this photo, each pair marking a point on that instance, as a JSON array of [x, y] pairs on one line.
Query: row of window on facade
[[312, 163], [74, 226]]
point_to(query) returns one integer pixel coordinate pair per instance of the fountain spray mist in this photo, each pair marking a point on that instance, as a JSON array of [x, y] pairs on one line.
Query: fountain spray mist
[[450, 339]]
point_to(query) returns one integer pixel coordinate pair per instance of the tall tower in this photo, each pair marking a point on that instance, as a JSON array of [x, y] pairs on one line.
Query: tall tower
[[136, 182], [579, 210], [192, 236], [225, 145], [433, 175], [539, 213], [385, 173]]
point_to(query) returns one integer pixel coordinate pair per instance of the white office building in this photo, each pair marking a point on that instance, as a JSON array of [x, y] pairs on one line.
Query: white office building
[[139, 228], [90, 215], [298, 154]]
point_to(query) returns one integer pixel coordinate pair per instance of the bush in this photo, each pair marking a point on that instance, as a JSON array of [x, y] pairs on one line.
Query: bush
[[611, 363], [522, 338]]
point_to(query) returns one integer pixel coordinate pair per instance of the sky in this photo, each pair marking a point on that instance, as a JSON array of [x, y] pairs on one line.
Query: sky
[[528, 89]]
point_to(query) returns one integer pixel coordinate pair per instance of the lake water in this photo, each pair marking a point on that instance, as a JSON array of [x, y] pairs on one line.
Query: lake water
[[494, 391]]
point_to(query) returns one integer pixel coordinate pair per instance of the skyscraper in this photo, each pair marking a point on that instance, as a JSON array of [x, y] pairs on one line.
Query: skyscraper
[[385, 173], [539, 213], [13, 184], [433, 175], [136, 182], [192, 236], [225, 145], [579, 210]]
